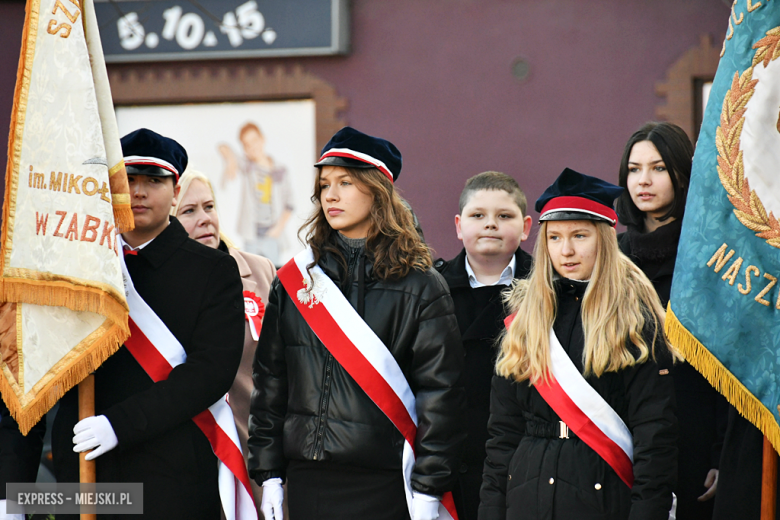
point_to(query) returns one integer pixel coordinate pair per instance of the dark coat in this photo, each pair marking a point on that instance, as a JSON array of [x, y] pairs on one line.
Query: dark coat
[[532, 474], [741, 465], [19, 455], [196, 291], [306, 407], [480, 313], [701, 409]]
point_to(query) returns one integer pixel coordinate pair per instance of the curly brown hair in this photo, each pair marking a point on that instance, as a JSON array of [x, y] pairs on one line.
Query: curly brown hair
[[392, 241]]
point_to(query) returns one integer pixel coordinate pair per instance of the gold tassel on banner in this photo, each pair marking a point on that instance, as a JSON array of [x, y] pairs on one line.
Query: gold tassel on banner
[[721, 379]]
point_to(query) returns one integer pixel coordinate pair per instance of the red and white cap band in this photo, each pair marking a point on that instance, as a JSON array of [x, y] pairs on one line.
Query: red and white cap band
[[140, 160], [358, 156], [579, 205]]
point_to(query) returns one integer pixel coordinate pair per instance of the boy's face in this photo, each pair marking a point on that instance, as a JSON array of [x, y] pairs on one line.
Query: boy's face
[[492, 224], [254, 145], [151, 199]]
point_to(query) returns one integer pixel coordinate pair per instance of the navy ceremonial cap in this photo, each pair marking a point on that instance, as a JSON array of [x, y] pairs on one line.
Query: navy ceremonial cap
[[353, 149], [149, 153], [574, 196]]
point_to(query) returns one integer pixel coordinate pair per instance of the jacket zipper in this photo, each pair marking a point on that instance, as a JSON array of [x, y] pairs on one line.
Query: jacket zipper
[[323, 407]]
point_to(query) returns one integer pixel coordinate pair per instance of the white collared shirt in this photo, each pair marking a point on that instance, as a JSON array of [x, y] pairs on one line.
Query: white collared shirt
[[507, 275], [122, 244]]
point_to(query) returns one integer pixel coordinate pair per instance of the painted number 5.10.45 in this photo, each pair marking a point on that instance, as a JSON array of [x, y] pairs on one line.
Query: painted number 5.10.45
[[189, 30]]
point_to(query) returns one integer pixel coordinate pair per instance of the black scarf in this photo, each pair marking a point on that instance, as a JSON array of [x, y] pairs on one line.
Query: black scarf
[[656, 247]]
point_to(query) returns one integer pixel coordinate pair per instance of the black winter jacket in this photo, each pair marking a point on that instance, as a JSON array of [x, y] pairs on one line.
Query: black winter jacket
[[480, 313], [196, 292], [306, 407], [530, 473], [702, 410]]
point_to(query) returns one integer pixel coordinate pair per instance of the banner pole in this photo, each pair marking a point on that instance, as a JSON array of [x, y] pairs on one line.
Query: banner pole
[[769, 482], [86, 409]]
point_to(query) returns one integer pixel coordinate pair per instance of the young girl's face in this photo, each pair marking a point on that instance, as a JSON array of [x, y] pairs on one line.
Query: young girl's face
[[648, 180], [573, 246], [346, 207]]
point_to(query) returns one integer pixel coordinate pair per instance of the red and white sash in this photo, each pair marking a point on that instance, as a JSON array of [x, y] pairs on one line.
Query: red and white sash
[[362, 354], [585, 412], [158, 351]]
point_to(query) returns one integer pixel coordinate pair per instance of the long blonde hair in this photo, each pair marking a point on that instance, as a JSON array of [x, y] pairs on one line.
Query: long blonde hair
[[184, 184], [618, 305]]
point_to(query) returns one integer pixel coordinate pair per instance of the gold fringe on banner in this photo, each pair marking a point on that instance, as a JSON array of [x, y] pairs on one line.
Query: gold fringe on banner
[[67, 373], [19, 108], [65, 294], [722, 379]]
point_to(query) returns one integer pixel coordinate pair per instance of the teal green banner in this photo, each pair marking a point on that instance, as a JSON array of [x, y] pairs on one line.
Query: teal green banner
[[725, 301]]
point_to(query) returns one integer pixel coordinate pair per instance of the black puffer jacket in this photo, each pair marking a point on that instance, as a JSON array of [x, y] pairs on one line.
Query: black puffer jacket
[[703, 412], [532, 474], [306, 407]]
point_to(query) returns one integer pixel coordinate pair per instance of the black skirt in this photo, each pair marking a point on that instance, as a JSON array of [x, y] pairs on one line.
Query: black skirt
[[325, 491]]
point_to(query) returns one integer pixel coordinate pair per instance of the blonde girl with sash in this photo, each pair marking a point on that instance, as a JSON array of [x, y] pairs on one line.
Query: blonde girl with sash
[[582, 420], [357, 403]]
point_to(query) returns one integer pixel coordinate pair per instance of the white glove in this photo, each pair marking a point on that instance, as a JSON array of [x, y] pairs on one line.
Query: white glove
[[9, 516], [94, 433], [273, 496], [424, 507]]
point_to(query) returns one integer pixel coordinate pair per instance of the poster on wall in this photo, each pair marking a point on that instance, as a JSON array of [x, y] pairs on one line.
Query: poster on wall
[[258, 157]]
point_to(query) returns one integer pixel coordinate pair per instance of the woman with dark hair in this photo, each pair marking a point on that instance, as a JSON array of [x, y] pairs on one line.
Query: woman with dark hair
[[358, 365], [656, 170]]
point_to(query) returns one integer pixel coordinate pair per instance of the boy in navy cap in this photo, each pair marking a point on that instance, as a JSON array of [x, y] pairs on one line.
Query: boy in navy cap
[[143, 431], [491, 223]]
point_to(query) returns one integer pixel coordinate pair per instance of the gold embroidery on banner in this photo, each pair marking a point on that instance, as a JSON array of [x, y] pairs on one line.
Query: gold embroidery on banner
[[120, 198], [748, 207], [760, 296], [71, 17], [90, 191], [746, 289], [55, 182], [103, 191], [732, 271], [729, 36], [53, 28], [721, 260], [751, 7]]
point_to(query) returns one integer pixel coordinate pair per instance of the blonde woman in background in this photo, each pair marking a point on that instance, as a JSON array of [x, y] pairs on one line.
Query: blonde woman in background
[[197, 212]]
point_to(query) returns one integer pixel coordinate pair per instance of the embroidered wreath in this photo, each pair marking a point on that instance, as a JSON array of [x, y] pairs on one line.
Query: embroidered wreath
[[747, 205]]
